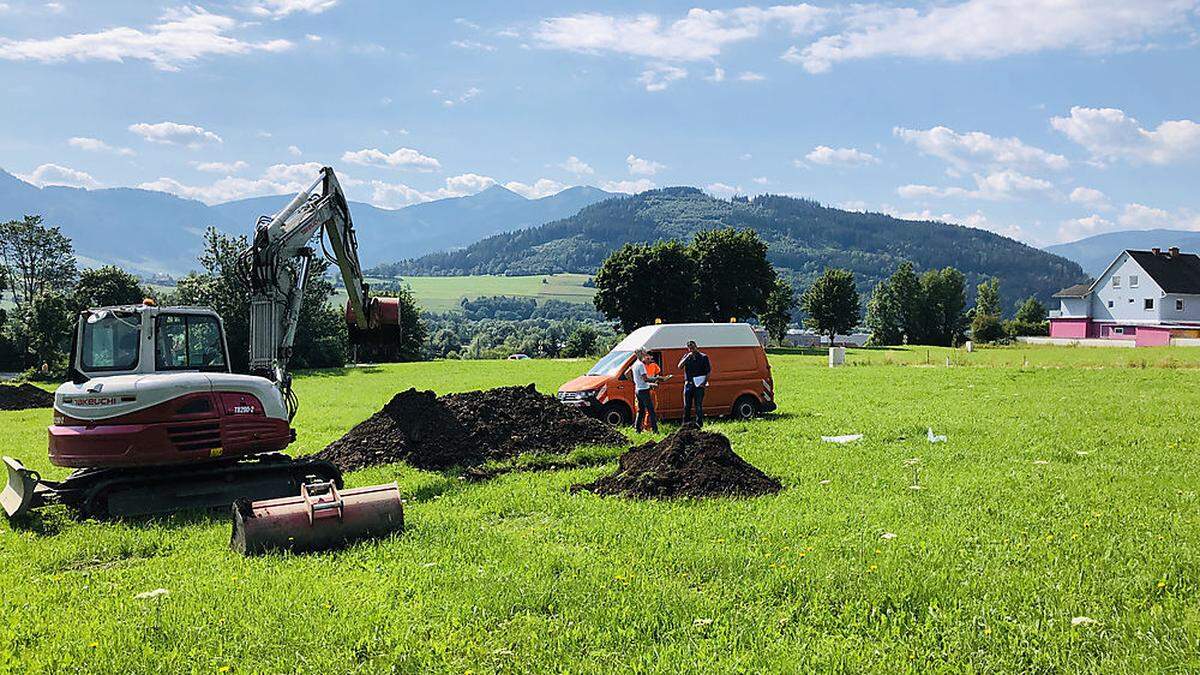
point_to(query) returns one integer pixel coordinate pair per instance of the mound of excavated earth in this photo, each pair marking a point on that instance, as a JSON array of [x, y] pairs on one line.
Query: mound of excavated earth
[[688, 463], [466, 429], [24, 396]]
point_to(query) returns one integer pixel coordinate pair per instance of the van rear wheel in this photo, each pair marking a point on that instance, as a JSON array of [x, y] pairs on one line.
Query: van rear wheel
[[616, 414], [745, 408]]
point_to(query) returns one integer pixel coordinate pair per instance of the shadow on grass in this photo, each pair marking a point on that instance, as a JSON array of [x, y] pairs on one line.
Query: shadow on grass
[[367, 369]]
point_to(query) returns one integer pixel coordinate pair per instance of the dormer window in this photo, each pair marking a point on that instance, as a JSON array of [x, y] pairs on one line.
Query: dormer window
[[1116, 281], [1133, 281]]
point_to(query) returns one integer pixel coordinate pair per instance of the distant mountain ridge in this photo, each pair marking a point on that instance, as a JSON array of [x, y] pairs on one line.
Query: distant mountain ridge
[[156, 232], [1095, 253], [803, 237]]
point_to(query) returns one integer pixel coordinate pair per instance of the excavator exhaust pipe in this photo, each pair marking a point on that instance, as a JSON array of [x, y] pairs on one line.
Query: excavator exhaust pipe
[[320, 518], [20, 489]]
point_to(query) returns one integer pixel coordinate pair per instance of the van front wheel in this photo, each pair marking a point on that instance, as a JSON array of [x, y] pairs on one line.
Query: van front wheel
[[745, 408], [616, 414]]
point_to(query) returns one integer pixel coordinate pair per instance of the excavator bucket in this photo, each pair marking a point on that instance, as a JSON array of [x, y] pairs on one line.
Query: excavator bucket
[[20, 488], [320, 518], [378, 338]]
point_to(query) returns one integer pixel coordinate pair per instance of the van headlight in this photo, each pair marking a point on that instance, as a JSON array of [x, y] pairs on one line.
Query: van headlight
[[577, 395]]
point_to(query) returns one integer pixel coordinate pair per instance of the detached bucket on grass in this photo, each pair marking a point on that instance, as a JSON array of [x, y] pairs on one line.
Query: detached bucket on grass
[[320, 518]]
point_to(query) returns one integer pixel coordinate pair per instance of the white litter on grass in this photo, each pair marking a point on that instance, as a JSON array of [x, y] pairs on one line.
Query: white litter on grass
[[888, 535], [826, 482], [934, 438], [848, 438], [1082, 621], [1041, 461], [1082, 453], [150, 595]]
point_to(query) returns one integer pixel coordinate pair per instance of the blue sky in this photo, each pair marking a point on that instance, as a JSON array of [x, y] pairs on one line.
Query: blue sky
[[1044, 121]]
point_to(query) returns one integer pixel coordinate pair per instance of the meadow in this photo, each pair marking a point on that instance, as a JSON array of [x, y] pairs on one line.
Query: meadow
[[1055, 530], [441, 294]]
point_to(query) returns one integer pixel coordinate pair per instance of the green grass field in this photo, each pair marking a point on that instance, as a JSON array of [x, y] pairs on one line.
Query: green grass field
[[1067, 489], [440, 294]]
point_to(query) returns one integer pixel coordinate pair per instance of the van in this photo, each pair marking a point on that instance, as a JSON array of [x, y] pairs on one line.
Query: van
[[740, 384]]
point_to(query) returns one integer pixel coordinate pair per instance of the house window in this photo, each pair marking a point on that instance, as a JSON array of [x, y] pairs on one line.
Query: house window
[[1148, 303], [1110, 303], [1133, 281], [1119, 330], [1116, 281], [1178, 304]]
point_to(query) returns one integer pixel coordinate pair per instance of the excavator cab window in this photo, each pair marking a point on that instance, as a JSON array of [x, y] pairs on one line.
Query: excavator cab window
[[189, 342], [110, 341]]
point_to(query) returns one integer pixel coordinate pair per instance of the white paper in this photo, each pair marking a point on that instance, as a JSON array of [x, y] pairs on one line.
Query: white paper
[[699, 380], [848, 438]]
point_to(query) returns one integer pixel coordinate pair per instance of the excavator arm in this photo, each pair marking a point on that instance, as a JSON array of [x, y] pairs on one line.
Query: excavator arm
[[275, 268]]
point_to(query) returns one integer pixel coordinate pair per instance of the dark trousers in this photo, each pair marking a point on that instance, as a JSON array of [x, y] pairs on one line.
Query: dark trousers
[[693, 396], [645, 401]]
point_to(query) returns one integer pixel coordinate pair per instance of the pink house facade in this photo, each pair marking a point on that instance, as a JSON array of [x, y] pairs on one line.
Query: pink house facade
[[1147, 297]]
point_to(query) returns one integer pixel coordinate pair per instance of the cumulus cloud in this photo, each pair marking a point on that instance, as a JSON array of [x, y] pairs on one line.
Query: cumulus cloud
[[180, 37], [294, 151], [700, 35], [396, 195], [750, 76], [977, 220], [56, 174], [991, 29], [723, 190], [1078, 228], [402, 158], [174, 133], [998, 186], [277, 179], [1141, 217], [543, 187], [1109, 134], [975, 149], [577, 166], [628, 186], [97, 145], [221, 167], [659, 76], [643, 167], [827, 156], [718, 75], [1089, 197], [278, 9]]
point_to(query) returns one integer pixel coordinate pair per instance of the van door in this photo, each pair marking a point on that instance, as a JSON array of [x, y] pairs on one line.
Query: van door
[[668, 396], [734, 371]]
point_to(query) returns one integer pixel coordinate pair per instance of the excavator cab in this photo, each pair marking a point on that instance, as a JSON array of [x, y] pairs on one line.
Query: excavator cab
[[144, 339]]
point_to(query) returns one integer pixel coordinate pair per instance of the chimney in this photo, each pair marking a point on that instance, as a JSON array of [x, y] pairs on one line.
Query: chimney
[[1174, 251], [1156, 250]]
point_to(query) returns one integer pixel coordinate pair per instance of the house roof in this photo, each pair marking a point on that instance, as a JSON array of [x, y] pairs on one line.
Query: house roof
[[1076, 291], [1179, 273]]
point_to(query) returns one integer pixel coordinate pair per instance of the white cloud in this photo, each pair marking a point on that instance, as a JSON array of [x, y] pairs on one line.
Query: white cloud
[[628, 186], [55, 7], [311, 37], [643, 167], [718, 75], [294, 151], [991, 29], [403, 158], [221, 167], [463, 98], [278, 179], [473, 45], [1089, 197], [181, 36], [701, 34], [827, 156], [1141, 217], [975, 148], [659, 76], [97, 145], [174, 133], [977, 220], [543, 187], [1078, 228], [394, 195], [577, 166], [998, 186], [723, 190], [397, 195], [1109, 134], [280, 8], [750, 76], [56, 174]]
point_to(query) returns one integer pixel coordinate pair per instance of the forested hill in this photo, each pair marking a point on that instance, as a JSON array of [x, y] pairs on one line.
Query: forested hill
[[803, 236]]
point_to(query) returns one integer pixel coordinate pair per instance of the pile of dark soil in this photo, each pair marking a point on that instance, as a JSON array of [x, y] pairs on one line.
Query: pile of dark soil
[[466, 430], [688, 463], [24, 396]]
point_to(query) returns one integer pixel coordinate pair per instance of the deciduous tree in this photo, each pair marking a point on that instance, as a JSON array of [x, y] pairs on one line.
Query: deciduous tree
[[832, 303], [778, 315], [639, 283], [37, 258], [734, 275]]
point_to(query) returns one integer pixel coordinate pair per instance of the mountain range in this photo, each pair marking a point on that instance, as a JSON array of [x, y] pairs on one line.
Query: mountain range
[[1096, 252], [803, 238], [158, 233]]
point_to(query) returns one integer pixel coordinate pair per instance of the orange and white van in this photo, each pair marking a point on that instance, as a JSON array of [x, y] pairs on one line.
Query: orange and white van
[[740, 384]]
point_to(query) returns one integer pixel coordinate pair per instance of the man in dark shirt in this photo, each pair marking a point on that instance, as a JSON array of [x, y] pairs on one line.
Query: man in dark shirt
[[696, 369]]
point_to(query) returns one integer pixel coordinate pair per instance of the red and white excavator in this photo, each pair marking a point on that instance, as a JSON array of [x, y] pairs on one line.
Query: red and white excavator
[[154, 420]]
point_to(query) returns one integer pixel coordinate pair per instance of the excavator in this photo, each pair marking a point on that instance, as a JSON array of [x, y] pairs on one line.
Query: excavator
[[155, 421]]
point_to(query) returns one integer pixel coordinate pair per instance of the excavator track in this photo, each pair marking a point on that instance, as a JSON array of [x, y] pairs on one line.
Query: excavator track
[[132, 493]]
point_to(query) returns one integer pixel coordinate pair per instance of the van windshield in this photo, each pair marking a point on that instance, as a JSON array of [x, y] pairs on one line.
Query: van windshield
[[610, 364]]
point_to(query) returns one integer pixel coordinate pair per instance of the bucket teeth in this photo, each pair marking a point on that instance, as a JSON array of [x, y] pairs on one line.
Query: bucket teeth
[[19, 488]]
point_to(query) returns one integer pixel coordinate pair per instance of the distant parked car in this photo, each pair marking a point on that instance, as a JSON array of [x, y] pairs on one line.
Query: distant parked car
[[517, 357]]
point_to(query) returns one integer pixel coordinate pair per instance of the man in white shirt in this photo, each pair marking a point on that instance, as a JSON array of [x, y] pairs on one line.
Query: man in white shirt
[[643, 383]]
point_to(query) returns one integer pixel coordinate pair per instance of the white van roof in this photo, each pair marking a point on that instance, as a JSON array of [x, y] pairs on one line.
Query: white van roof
[[676, 335]]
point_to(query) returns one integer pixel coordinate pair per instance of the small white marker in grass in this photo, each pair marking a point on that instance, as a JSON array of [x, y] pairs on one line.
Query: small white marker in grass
[[150, 595], [1082, 621], [1041, 462], [826, 482], [888, 535], [848, 438], [934, 438]]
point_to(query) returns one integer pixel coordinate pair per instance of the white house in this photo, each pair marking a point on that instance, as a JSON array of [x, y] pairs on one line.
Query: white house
[[1146, 296]]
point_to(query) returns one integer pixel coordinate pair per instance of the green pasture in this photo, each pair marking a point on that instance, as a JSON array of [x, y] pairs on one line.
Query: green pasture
[[1056, 530], [440, 294]]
